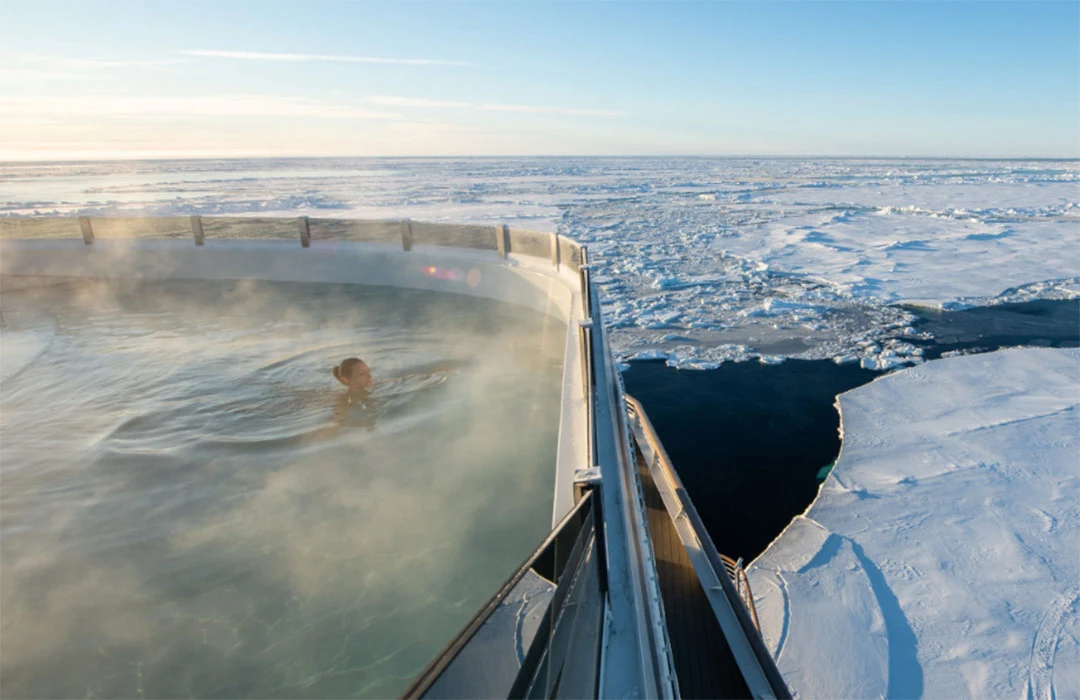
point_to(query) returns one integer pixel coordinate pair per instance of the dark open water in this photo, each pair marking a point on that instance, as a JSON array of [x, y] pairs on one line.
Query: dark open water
[[1040, 323], [749, 440]]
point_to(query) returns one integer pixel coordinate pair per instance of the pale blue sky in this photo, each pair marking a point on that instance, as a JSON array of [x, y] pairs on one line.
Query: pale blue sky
[[105, 79]]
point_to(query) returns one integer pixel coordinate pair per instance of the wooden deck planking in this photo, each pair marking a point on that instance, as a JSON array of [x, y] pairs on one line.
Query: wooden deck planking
[[704, 663]]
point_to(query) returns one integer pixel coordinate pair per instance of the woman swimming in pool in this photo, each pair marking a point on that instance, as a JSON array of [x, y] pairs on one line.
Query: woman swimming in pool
[[355, 374], [356, 407]]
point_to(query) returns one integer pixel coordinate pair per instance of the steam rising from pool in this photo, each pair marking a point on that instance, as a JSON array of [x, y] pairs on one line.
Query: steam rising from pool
[[187, 510]]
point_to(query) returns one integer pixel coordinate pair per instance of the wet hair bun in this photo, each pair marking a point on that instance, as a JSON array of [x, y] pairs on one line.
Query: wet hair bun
[[344, 370]]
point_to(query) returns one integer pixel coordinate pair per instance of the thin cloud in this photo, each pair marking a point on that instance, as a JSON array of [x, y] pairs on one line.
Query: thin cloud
[[416, 102], [391, 101], [26, 121], [308, 58], [186, 107], [25, 75], [528, 109], [119, 63], [21, 65]]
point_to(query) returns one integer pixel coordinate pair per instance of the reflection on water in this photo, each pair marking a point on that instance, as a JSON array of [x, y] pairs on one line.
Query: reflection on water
[[186, 512]]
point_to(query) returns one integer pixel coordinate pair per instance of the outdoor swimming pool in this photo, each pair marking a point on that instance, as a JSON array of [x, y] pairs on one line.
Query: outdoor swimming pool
[[189, 509]]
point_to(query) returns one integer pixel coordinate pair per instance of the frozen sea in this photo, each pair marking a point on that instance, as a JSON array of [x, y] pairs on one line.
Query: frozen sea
[[700, 260], [941, 558]]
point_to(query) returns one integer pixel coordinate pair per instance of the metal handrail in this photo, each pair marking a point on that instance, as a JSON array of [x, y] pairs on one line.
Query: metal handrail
[[501, 241], [655, 629], [732, 567], [742, 585]]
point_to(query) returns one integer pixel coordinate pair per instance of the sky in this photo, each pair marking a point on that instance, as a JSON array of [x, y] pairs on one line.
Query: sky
[[153, 78]]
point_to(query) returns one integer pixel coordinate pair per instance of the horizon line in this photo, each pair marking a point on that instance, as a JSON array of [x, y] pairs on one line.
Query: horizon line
[[740, 156]]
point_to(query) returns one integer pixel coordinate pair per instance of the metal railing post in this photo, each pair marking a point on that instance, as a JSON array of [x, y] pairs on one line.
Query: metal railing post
[[502, 239], [588, 387], [555, 250], [586, 291], [87, 230], [197, 229], [406, 234], [305, 232]]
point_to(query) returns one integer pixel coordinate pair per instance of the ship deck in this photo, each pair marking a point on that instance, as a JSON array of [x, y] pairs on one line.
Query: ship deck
[[703, 660]]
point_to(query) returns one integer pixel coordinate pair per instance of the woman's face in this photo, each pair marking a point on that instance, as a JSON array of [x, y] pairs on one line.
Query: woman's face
[[360, 378]]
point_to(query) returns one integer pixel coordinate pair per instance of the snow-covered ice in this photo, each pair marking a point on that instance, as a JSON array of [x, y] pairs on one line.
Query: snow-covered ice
[[942, 555], [699, 260], [891, 255]]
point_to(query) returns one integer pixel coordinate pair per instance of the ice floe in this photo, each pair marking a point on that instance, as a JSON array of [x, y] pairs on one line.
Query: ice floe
[[942, 555]]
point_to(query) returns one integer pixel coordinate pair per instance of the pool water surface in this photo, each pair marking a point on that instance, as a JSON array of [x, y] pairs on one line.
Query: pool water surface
[[190, 508]]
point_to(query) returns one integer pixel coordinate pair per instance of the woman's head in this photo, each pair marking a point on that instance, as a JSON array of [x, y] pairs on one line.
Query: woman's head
[[354, 373]]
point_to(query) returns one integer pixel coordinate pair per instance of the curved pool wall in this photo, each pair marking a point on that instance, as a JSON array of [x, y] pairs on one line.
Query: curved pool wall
[[519, 280], [544, 272]]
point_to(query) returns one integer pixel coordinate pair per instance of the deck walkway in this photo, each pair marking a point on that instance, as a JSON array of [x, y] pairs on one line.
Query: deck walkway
[[703, 661]]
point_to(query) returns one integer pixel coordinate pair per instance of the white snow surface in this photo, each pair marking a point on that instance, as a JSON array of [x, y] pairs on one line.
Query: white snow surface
[[941, 558], [699, 260]]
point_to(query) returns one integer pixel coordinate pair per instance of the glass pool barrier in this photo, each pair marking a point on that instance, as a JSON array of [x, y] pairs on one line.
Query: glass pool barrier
[[541, 632]]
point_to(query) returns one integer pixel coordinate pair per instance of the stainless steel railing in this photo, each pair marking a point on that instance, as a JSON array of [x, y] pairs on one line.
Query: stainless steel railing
[[735, 570], [405, 233]]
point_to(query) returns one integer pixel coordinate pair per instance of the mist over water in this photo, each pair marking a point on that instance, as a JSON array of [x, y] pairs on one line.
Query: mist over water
[[188, 510]]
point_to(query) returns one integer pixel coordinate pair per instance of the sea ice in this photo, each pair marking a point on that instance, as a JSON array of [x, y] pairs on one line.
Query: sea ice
[[942, 555]]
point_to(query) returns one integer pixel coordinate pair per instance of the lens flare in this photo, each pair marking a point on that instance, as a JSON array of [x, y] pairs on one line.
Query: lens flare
[[442, 273]]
